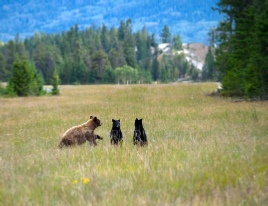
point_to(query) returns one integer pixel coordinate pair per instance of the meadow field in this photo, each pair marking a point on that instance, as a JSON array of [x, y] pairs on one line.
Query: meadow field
[[202, 150]]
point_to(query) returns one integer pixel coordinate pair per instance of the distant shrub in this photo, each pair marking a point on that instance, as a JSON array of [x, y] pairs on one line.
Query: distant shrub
[[55, 83]]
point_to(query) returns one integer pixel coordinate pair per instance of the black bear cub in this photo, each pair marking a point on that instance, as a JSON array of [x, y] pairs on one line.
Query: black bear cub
[[116, 133], [139, 137]]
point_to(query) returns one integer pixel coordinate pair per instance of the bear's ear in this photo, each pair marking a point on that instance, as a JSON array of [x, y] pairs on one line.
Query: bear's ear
[[113, 120], [95, 118], [119, 120], [136, 118], [91, 117]]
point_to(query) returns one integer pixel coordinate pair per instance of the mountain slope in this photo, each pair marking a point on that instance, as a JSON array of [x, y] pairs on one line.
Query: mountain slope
[[191, 19]]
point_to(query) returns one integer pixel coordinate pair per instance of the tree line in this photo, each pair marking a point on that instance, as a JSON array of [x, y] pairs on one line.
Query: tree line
[[237, 55], [242, 53], [95, 55]]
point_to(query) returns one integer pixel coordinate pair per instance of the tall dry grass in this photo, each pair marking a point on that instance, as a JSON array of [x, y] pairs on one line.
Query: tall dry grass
[[202, 150]]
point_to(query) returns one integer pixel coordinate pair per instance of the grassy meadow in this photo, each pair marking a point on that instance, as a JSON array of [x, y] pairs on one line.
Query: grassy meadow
[[202, 150]]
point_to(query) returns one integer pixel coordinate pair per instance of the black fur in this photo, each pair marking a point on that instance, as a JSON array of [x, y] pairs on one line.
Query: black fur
[[139, 137], [116, 133]]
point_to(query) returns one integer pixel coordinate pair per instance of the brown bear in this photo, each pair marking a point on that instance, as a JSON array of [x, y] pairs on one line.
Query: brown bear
[[81, 133]]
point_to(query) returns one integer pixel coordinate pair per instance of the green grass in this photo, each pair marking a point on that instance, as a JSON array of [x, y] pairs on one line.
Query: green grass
[[202, 150]]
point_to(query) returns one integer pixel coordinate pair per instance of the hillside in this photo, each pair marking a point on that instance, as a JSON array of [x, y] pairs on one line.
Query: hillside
[[192, 19], [196, 54]]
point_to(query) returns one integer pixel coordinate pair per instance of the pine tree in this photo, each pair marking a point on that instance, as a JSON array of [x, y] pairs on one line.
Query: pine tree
[[164, 73], [100, 62], [208, 71], [143, 52], [129, 45], [155, 69], [10, 51], [55, 83], [25, 80], [3, 71], [166, 35], [122, 31], [105, 39], [177, 43]]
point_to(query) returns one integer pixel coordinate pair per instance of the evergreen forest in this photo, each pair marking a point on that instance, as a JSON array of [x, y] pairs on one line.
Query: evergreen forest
[[95, 55], [237, 55], [242, 55]]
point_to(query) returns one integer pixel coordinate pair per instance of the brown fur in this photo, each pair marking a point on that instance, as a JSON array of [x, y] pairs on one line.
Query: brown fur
[[78, 135]]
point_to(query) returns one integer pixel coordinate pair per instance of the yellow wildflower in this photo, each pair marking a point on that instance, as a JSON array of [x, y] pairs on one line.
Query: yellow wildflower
[[85, 180], [75, 182]]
